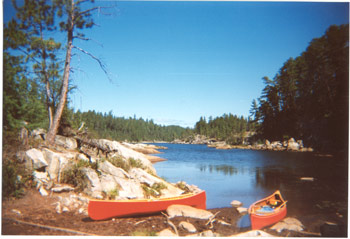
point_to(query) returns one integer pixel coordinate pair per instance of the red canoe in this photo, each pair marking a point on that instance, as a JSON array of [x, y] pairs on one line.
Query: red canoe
[[104, 209], [267, 211]]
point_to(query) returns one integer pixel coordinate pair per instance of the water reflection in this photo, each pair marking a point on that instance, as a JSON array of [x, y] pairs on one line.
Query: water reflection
[[225, 169], [248, 175], [272, 178]]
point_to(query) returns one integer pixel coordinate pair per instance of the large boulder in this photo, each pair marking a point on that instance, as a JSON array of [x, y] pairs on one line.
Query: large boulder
[[290, 224], [144, 177], [108, 183], [94, 188], [35, 159], [142, 148], [66, 142], [187, 226], [109, 168], [292, 145], [129, 188], [187, 211], [114, 146], [57, 163], [170, 190]]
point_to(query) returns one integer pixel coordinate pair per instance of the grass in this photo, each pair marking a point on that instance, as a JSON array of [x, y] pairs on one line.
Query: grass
[[113, 193], [183, 187], [128, 164], [75, 176], [143, 233], [155, 190]]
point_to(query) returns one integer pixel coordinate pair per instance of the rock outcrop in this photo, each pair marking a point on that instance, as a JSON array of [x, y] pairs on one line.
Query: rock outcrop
[[290, 145], [99, 168]]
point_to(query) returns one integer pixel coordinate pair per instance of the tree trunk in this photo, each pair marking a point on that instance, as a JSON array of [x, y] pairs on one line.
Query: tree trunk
[[50, 138], [48, 103]]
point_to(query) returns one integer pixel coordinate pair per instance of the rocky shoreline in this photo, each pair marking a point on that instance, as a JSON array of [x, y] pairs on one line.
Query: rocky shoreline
[[287, 145], [75, 170]]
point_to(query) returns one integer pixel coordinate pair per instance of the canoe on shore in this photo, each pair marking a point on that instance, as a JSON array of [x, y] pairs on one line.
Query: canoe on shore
[[105, 209], [267, 211]]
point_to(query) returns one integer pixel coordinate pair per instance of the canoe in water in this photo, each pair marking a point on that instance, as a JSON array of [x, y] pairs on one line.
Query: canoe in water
[[267, 211], [105, 209]]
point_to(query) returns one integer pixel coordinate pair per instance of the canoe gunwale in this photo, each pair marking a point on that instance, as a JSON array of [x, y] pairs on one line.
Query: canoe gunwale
[[260, 220], [183, 196], [105, 209]]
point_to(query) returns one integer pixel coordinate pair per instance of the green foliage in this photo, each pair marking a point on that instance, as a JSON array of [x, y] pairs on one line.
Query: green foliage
[[308, 97], [153, 191], [143, 233], [135, 163], [15, 178], [229, 128], [183, 187], [113, 193], [159, 187], [119, 162], [130, 129], [125, 164], [76, 176], [12, 184]]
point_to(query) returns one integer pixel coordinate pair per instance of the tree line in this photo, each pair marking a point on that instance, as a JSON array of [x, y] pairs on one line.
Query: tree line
[[228, 127], [308, 98], [103, 125]]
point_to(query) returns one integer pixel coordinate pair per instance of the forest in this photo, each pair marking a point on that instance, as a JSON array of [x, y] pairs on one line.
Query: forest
[[308, 98], [230, 128]]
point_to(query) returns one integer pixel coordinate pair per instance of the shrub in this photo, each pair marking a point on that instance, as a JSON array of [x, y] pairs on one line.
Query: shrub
[[113, 193], [76, 177], [135, 163], [153, 191], [12, 184], [120, 163], [15, 178], [183, 187], [144, 233]]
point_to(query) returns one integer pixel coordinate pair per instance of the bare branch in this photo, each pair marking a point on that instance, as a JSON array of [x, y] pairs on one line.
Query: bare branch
[[87, 39], [87, 11], [103, 67], [99, 8]]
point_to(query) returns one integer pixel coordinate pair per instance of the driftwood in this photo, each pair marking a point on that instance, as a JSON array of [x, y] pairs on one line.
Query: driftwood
[[171, 224], [211, 220], [92, 144]]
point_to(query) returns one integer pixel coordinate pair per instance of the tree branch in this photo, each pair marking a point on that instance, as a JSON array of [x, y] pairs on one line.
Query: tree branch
[[103, 67], [87, 39]]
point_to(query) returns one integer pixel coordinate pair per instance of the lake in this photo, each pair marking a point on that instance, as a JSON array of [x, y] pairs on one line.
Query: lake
[[249, 175]]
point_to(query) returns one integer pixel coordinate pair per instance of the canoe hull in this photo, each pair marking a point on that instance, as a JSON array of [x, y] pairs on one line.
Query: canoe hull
[[105, 209], [261, 220]]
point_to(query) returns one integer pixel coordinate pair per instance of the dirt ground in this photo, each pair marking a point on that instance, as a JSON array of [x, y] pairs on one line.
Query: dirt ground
[[36, 215]]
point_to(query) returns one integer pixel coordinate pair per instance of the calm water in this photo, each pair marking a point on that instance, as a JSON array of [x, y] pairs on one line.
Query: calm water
[[248, 175]]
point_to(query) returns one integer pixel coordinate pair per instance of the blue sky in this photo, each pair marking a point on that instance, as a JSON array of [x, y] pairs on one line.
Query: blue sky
[[174, 62]]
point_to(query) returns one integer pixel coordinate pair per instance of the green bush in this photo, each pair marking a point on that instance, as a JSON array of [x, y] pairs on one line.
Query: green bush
[[12, 184], [135, 163], [76, 177], [153, 191], [113, 193], [120, 163], [15, 178]]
